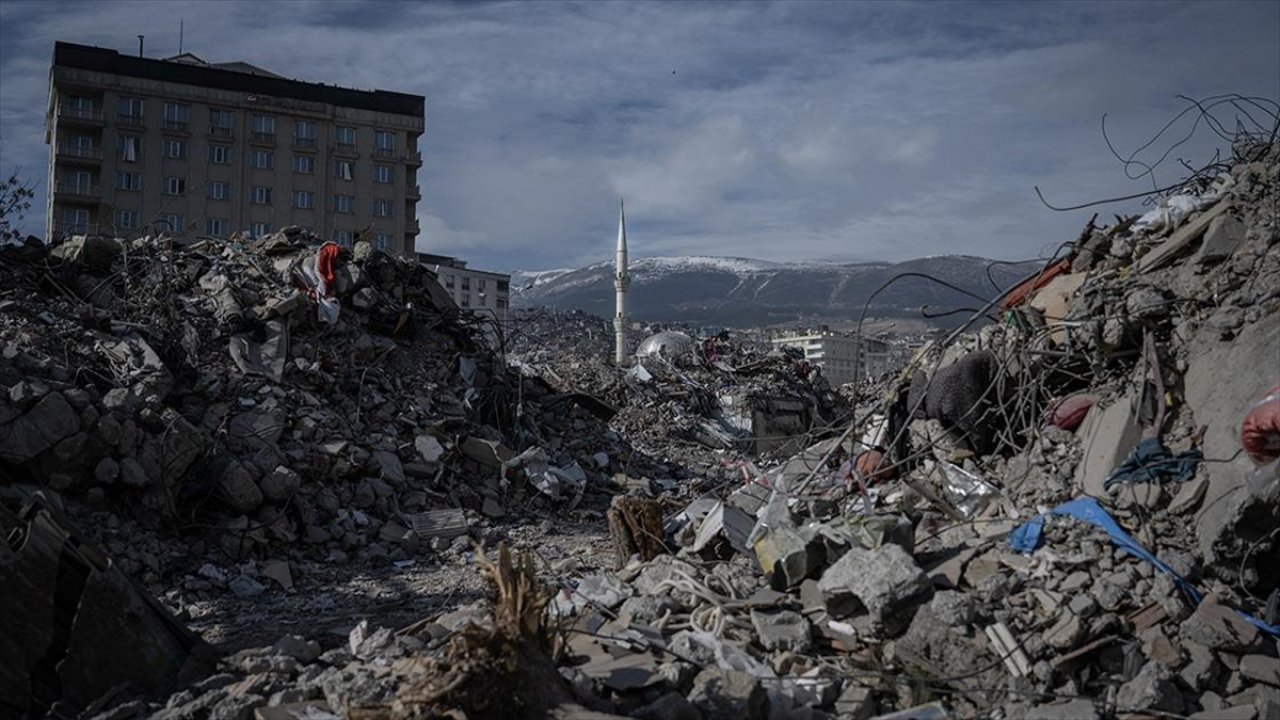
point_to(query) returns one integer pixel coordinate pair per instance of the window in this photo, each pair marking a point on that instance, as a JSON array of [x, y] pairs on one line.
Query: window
[[130, 148], [345, 136], [75, 220], [382, 173], [221, 122], [174, 223], [128, 181], [304, 134], [264, 159], [79, 182], [384, 143], [502, 286], [304, 164], [130, 110], [79, 146], [264, 126], [261, 195], [382, 241], [126, 219], [217, 227], [259, 229], [303, 199], [343, 203], [219, 190], [79, 106], [219, 154], [343, 237], [482, 284], [174, 185], [343, 169], [176, 117], [502, 303], [448, 281], [466, 299], [176, 149], [382, 208]]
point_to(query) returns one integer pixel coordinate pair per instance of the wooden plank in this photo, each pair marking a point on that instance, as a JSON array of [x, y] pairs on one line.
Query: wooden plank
[[1181, 238]]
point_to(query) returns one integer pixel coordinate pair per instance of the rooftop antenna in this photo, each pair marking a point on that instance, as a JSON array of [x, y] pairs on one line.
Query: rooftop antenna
[[140, 45], [180, 36]]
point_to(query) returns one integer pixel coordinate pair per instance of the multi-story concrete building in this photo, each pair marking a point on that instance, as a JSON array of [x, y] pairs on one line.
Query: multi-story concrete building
[[142, 145], [471, 289], [836, 355]]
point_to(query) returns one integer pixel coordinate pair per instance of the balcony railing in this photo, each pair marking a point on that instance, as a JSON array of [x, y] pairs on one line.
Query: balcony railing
[[129, 120], [302, 143], [76, 188], [62, 228], [179, 125], [414, 192], [80, 113], [413, 158], [344, 149], [412, 228], [384, 152], [264, 137], [79, 152], [222, 133]]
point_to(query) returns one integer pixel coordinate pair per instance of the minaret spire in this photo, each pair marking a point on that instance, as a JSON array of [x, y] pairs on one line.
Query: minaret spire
[[620, 282]]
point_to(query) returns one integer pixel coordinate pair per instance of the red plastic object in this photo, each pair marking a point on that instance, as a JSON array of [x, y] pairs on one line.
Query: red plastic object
[[1260, 432], [1069, 412]]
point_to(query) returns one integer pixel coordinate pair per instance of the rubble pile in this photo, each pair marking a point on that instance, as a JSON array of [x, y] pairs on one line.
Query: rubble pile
[[1069, 512]]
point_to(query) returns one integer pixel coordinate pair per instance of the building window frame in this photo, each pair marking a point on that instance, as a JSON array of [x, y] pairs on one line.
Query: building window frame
[[384, 174], [263, 159], [303, 199], [261, 195], [175, 149], [344, 204], [175, 185], [304, 164], [219, 190]]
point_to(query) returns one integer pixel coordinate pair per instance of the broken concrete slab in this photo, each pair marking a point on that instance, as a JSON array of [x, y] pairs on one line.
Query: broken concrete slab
[[782, 630], [884, 582], [40, 428], [1219, 627], [1108, 437], [1225, 234]]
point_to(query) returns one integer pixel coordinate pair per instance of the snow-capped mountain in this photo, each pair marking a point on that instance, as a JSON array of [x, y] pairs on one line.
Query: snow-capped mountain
[[742, 291]]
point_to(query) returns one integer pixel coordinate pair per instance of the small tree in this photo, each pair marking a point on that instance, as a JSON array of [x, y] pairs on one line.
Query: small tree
[[15, 201]]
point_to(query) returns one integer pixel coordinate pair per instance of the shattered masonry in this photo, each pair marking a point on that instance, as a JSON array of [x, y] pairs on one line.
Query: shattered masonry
[[1048, 516]]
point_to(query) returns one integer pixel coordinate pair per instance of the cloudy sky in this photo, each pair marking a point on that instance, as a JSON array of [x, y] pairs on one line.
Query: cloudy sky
[[787, 131]]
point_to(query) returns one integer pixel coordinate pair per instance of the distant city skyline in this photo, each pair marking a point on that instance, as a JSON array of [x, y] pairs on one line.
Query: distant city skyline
[[780, 131]]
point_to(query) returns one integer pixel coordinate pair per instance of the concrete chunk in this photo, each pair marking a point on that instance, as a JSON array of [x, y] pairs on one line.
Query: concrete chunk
[[884, 581]]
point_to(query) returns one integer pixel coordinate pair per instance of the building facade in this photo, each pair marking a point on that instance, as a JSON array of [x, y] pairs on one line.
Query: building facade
[[474, 290], [140, 145], [837, 354]]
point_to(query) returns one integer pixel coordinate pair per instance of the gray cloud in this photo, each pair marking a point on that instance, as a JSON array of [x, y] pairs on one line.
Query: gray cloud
[[781, 131]]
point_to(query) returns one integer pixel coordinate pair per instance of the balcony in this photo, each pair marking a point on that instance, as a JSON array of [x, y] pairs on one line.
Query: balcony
[[221, 133], [79, 116], [63, 228], [414, 193], [300, 143], [347, 149], [180, 126], [414, 159], [129, 120], [384, 152], [80, 190], [264, 138], [412, 227], [79, 153]]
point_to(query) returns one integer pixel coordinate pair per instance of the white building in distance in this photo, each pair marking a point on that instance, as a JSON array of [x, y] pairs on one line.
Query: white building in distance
[[836, 355], [478, 291]]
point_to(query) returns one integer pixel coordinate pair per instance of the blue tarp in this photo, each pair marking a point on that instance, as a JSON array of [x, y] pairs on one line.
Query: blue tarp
[[1026, 538]]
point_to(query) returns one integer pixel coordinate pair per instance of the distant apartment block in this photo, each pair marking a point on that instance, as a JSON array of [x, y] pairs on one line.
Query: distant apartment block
[[836, 355], [474, 290], [181, 145]]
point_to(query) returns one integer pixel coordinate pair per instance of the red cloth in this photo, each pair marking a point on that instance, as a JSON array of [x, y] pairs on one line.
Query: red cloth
[[1260, 432], [326, 265], [872, 465], [1069, 412]]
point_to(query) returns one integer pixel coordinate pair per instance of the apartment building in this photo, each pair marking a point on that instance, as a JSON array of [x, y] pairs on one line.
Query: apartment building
[[837, 355], [141, 145], [471, 289]]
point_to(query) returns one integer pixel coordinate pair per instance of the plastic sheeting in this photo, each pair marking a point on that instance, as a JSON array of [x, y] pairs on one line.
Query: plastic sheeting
[[665, 344], [1026, 538]]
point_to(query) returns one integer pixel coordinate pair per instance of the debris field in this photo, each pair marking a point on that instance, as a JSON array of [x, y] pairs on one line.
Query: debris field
[[277, 479]]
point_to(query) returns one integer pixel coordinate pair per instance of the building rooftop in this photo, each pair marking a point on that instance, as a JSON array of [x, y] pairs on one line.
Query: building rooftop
[[236, 76]]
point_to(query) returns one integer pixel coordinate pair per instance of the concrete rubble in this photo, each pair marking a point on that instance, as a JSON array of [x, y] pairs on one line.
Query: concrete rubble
[[959, 539]]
